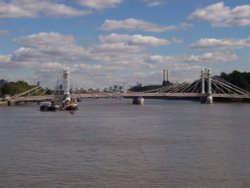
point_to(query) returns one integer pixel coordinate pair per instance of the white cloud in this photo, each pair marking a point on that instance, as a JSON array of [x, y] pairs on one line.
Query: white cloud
[[175, 40], [46, 47], [115, 58], [132, 24], [4, 32], [153, 3], [39, 49], [204, 58], [99, 4], [134, 40], [52, 8], [124, 50], [14, 10], [220, 44], [46, 39], [47, 51], [213, 57], [35, 8], [4, 59], [220, 15]]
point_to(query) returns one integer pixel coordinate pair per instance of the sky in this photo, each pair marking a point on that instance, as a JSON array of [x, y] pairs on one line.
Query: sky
[[122, 42]]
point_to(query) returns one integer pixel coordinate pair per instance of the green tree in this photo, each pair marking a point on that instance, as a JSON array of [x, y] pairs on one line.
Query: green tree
[[15, 88], [237, 78]]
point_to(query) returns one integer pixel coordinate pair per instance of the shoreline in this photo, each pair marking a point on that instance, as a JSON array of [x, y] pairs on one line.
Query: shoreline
[[3, 103]]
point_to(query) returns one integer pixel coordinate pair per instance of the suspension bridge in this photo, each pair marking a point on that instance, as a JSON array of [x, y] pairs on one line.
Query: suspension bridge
[[206, 89]]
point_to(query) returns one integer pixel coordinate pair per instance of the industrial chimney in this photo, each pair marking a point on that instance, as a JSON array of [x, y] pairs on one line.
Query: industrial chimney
[[165, 78]]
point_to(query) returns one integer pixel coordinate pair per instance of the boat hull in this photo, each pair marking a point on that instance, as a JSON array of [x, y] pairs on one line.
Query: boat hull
[[48, 106], [71, 107]]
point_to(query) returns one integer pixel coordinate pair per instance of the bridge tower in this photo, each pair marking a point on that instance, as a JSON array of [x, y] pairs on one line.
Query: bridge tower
[[203, 97], [209, 88], [202, 81], [66, 83], [206, 93]]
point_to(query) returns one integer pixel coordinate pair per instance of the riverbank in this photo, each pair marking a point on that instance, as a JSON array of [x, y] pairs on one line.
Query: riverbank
[[3, 103]]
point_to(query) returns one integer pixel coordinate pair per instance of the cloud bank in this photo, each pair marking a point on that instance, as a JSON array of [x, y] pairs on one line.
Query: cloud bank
[[222, 16], [132, 24], [51, 8]]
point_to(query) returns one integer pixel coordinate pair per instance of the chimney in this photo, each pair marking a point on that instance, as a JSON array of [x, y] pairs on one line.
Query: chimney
[[165, 77]]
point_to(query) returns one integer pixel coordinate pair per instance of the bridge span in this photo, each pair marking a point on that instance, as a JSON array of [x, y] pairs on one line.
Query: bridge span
[[146, 95], [206, 89]]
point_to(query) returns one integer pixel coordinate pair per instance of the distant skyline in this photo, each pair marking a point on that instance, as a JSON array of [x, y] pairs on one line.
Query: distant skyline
[[116, 42]]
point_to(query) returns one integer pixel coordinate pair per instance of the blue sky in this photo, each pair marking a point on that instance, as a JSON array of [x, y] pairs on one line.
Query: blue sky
[[122, 41]]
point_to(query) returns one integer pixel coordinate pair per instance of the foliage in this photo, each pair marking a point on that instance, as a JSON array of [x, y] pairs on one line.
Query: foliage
[[140, 88], [14, 88], [240, 79]]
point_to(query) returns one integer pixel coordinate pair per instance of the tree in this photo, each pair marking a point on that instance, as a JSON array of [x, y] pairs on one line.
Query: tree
[[15, 88], [237, 78]]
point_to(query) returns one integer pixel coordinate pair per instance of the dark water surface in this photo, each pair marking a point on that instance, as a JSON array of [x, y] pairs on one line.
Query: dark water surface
[[113, 144]]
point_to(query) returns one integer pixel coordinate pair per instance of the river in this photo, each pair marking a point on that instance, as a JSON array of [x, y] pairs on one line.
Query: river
[[110, 143]]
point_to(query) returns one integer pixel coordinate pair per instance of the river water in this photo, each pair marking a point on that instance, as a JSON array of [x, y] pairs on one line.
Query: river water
[[114, 144]]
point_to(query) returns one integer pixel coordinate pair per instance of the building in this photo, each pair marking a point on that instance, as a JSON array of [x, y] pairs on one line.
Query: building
[[2, 81]]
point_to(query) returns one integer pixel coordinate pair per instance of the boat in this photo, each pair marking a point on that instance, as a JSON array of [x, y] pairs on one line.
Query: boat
[[69, 104], [52, 106], [49, 106], [66, 102]]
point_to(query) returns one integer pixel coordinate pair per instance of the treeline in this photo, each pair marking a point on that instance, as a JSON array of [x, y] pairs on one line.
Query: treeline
[[14, 88], [240, 79], [140, 88]]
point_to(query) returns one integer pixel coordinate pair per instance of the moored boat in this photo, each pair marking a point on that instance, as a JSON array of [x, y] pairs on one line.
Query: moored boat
[[66, 102], [69, 104], [49, 106]]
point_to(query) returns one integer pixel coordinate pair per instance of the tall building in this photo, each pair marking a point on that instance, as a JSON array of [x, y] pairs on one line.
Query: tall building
[[2, 81]]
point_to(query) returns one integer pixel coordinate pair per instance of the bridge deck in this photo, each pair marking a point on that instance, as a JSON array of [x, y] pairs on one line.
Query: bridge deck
[[130, 95]]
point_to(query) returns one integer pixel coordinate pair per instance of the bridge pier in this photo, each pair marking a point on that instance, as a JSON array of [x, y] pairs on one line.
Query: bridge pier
[[11, 103], [203, 99], [209, 99], [206, 99], [138, 100]]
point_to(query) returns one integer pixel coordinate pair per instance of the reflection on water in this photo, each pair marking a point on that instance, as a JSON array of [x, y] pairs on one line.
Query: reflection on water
[[111, 143]]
